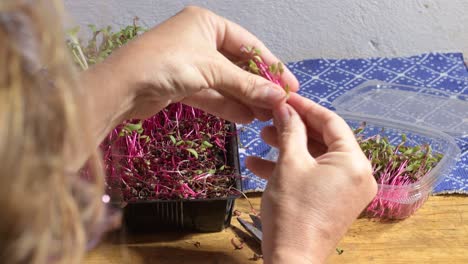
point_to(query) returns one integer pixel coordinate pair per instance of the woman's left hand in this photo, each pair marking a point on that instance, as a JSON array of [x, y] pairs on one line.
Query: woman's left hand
[[189, 59]]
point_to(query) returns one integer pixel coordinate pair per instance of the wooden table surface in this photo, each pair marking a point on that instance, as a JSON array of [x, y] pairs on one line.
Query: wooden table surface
[[437, 233]]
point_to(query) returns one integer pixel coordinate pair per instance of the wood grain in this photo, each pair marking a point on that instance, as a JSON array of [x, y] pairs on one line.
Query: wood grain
[[437, 233]]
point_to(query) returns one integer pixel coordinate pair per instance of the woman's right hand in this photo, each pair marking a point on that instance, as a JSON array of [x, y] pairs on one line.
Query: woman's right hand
[[317, 188]]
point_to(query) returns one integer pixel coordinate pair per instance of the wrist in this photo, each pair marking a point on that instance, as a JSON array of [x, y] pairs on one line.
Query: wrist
[[108, 93], [290, 256], [298, 243]]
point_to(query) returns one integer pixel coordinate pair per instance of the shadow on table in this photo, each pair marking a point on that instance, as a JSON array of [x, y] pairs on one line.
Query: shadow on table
[[123, 237], [174, 255]]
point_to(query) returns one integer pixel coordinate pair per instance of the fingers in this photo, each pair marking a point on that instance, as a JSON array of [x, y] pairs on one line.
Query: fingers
[[262, 114], [232, 37], [260, 167], [316, 149], [226, 107], [292, 134], [335, 132], [270, 136], [216, 104], [246, 87]]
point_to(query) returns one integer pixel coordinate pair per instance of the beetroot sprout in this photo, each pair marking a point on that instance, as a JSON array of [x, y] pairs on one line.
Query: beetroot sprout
[[395, 165], [255, 64], [180, 153]]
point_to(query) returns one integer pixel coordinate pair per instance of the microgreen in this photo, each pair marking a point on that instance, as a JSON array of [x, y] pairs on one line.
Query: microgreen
[[102, 43], [179, 153], [396, 164], [256, 65], [183, 156]]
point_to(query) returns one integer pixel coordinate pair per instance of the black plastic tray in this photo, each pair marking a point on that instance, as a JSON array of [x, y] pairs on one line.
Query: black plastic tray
[[205, 215]]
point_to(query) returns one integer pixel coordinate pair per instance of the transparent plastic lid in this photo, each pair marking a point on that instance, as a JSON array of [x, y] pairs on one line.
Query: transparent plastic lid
[[419, 106]]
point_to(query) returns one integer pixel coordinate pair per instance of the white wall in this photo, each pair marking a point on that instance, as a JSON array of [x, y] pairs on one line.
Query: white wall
[[299, 29]]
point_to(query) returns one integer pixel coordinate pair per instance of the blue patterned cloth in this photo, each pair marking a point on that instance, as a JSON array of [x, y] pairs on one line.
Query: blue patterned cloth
[[324, 80]]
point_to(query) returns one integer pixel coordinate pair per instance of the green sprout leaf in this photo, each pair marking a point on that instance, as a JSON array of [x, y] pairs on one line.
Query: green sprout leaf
[[403, 138], [173, 139], [273, 69], [280, 68], [257, 51], [134, 127], [287, 89], [193, 152], [253, 67], [146, 138], [207, 144], [92, 28], [73, 32]]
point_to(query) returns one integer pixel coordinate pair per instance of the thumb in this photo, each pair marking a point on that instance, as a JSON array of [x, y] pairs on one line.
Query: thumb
[[292, 132], [246, 87]]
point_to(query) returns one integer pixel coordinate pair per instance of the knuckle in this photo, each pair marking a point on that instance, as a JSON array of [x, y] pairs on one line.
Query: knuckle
[[248, 87], [192, 9], [211, 73], [329, 116], [196, 10], [373, 188], [294, 162], [361, 171]]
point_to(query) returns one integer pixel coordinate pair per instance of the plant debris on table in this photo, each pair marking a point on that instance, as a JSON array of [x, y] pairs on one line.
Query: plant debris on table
[[238, 243], [339, 251], [256, 257]]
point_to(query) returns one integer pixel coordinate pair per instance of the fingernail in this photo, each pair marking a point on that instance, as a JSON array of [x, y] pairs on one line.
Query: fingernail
[[282, 115]]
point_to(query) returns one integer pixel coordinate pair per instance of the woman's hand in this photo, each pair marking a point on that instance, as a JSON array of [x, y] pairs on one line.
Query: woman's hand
[[189, 58], [317, 188]]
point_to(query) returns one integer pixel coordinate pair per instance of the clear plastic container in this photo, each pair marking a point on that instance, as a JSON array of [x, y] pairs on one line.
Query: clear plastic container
[[398, 202], [425, 115]]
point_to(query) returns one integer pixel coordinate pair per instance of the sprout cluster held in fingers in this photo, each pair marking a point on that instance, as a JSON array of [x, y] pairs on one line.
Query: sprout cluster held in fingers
[[256, 65]]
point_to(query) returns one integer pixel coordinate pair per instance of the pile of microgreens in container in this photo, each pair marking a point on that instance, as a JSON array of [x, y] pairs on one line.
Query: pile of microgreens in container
[[179, 153], [395, 165]]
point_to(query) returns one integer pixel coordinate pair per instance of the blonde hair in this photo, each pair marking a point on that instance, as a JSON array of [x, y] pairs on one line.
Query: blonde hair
[[46, 210]]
